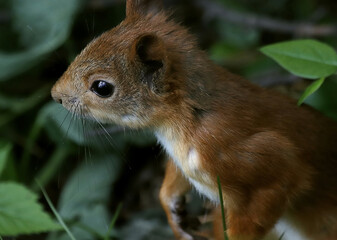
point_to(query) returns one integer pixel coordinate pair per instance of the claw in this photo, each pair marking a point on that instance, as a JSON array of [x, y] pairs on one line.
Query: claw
[[184, 222]]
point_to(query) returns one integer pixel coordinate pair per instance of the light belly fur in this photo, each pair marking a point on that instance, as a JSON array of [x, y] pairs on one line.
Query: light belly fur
[[187, 159]]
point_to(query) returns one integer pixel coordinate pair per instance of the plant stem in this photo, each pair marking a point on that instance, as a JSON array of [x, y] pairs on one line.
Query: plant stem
[[113, 221], [71, 236], [222, 210]]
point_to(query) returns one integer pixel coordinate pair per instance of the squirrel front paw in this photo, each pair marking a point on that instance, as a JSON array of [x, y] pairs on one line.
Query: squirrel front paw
[[185, 225]]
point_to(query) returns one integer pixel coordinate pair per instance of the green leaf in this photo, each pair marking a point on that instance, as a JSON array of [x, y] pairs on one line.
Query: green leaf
[[62, 125], [42, 26], [85, 197], [310, 90], [325, 99], [20, 213], [305, 58], [5, 149]]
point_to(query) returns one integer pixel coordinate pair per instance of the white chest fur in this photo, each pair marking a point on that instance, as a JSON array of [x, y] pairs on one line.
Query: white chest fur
[[289, 231], [187, 159]]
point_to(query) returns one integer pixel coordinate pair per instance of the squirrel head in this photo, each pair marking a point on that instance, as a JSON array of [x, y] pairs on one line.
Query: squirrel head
[[131, 74]]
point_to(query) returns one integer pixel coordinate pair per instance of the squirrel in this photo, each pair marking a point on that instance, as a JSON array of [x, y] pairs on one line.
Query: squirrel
[[275, 161]]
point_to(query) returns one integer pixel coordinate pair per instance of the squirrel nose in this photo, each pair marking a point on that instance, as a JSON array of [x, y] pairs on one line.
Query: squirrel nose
[[57, 98]]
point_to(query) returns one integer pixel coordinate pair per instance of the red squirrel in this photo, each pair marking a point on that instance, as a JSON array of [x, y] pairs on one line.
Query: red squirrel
[[277, 163]]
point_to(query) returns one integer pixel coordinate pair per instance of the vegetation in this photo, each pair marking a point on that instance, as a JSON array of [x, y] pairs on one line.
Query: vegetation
[[104, 182]]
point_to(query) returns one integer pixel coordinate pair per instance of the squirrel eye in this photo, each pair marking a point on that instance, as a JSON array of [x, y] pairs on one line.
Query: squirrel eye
[[102, 88]]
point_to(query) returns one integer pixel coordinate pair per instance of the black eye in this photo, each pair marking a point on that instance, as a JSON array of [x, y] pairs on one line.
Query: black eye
[[102, 88]]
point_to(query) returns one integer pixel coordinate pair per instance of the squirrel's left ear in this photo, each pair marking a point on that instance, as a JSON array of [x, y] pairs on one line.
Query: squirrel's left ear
[[149, 50], [142, 7]]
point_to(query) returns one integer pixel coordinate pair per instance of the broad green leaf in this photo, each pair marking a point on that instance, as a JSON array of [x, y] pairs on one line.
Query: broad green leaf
[[20, 212], [42, 26], [305, 58], [5, 149], [310, 90], [62, 125], [85, 198], [97, 180]]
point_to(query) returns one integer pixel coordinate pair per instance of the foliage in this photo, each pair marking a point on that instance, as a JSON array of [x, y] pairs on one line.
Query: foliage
[[305, 58], [24, 216], [86, 172], [42, 26]]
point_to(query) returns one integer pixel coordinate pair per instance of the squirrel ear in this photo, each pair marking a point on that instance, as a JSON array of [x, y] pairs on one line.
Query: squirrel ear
[[149, 47], [142, 7], [150, 50]]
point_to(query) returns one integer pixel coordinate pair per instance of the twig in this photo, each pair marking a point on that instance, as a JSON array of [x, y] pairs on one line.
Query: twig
[[215, 10]]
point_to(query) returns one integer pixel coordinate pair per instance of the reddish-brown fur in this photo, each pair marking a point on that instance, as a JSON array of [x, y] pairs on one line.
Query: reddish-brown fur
[[273, 158]]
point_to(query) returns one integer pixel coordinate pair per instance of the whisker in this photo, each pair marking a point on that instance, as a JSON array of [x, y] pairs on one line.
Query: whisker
[[68, 112], [108, 136], [71, 120], [85, 137]]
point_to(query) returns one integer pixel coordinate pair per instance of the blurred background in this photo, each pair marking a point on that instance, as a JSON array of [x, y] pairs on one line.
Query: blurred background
[[106, 172]]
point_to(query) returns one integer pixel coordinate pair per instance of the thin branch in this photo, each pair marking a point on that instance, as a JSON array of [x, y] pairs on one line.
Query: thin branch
[[215, 10]]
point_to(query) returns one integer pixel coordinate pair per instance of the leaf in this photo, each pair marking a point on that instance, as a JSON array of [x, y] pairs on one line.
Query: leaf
[[62, 125], [86, 179], [42, 26], [5, 149], [85, 197], [305, 58], [20, 213], [310, 90], [325, 99]]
